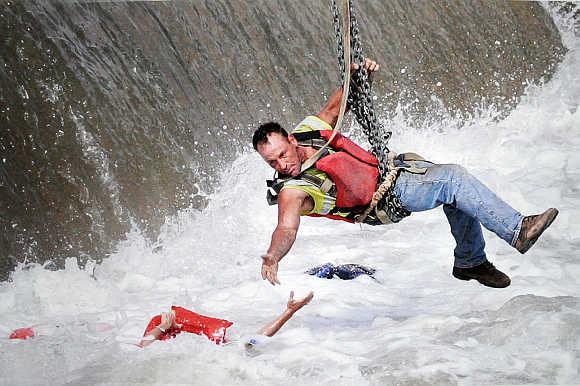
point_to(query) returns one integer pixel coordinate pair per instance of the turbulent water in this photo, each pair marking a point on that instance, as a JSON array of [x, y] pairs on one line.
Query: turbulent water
[[116, 115], [413, 325]]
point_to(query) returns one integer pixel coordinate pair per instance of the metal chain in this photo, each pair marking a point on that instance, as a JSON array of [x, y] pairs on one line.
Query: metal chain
[[340, 44], [360, 103]]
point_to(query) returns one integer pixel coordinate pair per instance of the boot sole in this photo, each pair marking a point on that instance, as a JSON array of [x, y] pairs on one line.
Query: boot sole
[[461, 277], [531, 242], [487, 284]]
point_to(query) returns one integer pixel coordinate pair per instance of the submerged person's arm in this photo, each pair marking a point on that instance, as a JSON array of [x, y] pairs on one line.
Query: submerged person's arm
[[291, 308]]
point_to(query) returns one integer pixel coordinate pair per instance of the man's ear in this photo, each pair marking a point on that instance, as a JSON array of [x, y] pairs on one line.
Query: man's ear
[[292, 139]]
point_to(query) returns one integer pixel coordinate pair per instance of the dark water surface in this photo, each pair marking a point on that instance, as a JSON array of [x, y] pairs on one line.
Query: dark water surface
[[117, 115]]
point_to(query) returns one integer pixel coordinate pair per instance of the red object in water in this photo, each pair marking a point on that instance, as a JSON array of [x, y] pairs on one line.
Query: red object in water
[[22, 333], [213, 328]]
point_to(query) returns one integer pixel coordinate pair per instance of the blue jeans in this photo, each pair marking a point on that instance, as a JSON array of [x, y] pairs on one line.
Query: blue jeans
[[467, 203]]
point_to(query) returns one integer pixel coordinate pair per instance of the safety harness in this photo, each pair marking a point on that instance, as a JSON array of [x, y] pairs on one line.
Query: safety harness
[[352, 178]]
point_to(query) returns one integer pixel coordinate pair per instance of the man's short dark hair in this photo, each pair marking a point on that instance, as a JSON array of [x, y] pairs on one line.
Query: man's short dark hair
[[261, 133]]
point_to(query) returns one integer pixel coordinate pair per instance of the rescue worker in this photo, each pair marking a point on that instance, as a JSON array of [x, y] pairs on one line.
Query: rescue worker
[[420, 185]]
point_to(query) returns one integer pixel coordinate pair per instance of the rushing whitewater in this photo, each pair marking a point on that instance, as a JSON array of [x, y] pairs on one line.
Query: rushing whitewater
[[414, 325], [120, 114]]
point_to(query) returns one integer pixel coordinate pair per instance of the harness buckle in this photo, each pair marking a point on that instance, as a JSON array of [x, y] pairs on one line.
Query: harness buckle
[[272, 198]]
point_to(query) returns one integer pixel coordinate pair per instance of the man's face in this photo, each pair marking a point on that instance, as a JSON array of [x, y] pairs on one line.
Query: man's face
[[281, 154]]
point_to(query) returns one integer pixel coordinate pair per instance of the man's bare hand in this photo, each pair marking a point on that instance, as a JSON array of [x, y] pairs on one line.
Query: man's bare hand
[[270, 269], [295, 305], [370, 65]]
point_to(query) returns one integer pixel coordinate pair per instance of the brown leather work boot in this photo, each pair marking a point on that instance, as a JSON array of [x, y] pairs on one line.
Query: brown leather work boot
[[484, 273], [532, 228]]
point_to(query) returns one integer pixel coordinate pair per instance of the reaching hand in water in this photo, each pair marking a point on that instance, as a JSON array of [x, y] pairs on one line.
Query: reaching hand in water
[[295, 305]]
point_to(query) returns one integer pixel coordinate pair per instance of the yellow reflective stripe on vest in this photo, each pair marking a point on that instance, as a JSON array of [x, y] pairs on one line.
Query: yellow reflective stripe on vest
[[311, 123], [323, 203]]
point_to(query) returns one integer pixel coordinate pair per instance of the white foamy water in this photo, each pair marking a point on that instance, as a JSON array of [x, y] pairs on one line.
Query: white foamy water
[[415, 324]]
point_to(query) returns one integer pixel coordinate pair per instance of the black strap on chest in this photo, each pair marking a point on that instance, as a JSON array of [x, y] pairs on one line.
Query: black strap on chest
[[310, 138]]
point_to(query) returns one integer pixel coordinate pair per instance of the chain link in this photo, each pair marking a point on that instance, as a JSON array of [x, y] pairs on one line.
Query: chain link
[[361, 104], [340, 44]]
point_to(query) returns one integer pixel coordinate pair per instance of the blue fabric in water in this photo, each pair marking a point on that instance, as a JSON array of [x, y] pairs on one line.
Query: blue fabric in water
[[344, 271]]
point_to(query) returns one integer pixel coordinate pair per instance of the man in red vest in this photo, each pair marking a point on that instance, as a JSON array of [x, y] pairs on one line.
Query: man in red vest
[[326, 189]]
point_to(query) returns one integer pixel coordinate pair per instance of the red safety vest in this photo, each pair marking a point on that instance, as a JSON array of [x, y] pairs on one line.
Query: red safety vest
[[353, 171]]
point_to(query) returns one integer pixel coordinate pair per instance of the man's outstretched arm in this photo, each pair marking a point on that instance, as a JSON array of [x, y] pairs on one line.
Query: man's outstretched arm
[[293, 306], [290, 203]]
